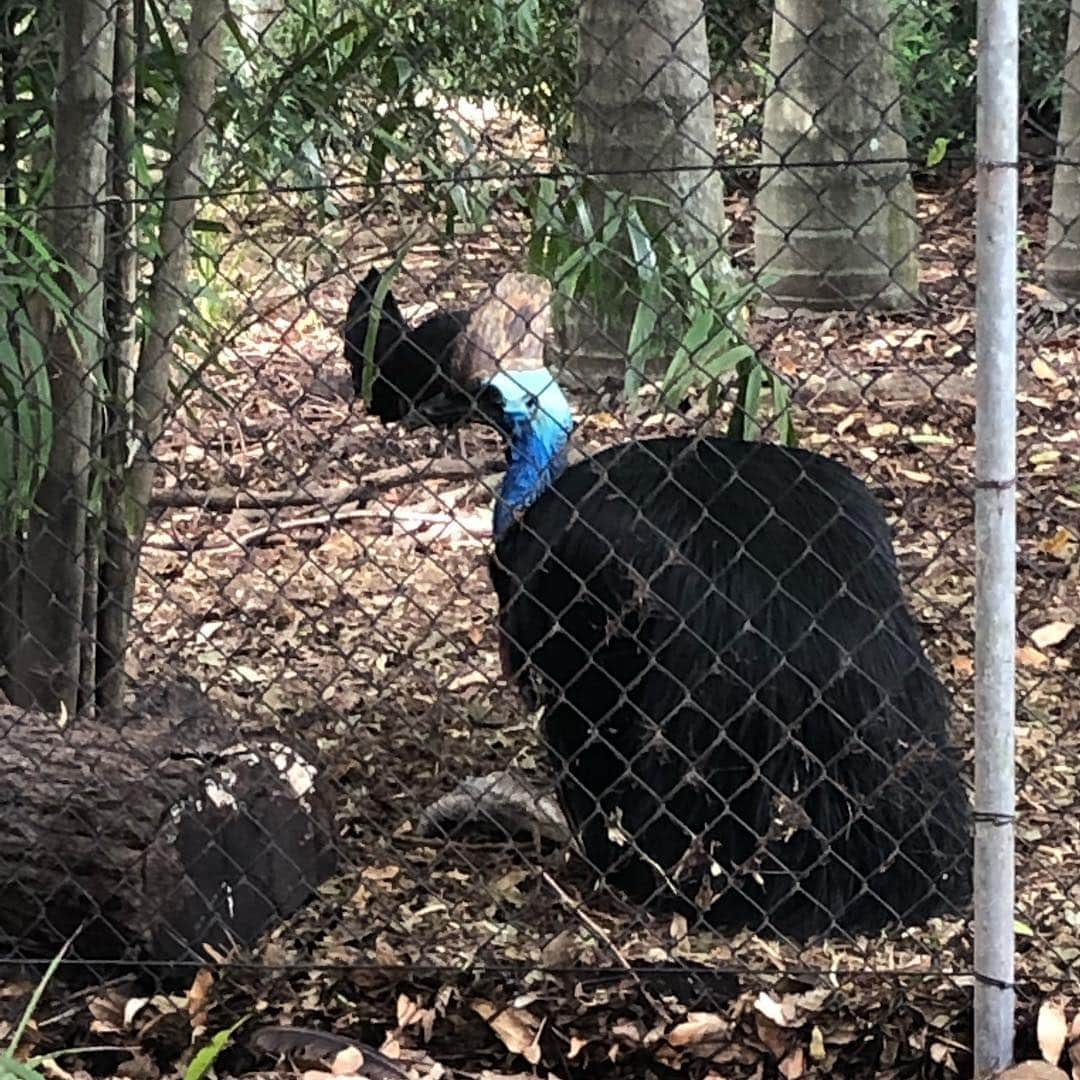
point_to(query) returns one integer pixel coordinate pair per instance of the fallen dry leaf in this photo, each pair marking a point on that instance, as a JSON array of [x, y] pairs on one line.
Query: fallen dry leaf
[[1051, 1030], [408, 1010], [577, 1044], [916, 476], [878, 431], [1045, 457], [380, 873], [198, 997], [1026, 656], [1044, 372], [507, 886], [696, 1028], [1051, 634], [468, 679], [963, 665], [109, 1012], [780, 1013], [1074, 1046], [348, 1062], [793, 1065], [776, 1039], [1060, 545], [1033, 1070], [561, 951], [679, 928], [519, 1030]]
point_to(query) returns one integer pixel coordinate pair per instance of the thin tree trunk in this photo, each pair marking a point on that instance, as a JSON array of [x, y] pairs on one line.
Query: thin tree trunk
[[1063, 232], [88, 637], [121, 257], [9, 545], [47, 661], [644, 125], [10, 580], [9, 59], [168, 289], [835, 229]]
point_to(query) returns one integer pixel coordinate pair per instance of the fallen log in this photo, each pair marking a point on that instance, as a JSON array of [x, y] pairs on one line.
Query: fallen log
[[166, 839]]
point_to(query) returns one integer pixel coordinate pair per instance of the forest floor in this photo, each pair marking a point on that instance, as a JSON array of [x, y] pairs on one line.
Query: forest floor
[[367, 630]]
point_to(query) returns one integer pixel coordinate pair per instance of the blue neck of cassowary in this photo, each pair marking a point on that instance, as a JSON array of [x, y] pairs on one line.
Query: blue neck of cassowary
[[537, 423]]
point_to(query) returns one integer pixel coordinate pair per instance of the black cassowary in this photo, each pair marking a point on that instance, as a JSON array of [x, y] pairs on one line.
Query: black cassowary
[[738, 710], [412, 364]]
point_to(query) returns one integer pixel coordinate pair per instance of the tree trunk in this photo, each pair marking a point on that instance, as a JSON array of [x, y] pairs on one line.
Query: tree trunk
[[834, 235], [1063, 233], [156, 837], [168, 290], [47, 659], [121, 259], [644, 124], [10, 621], [10, 554], [88, 637], [9, 59]]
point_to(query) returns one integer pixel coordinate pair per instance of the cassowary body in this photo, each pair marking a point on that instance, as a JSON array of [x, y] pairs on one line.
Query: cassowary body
[[739, 714], [412, 364], [737, 706]]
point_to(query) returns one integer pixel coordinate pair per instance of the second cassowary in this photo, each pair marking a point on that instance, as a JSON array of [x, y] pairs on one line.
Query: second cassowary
[[739, 713], [412, 364]]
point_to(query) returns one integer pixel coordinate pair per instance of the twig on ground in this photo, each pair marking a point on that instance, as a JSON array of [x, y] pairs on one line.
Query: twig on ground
[[228, 499], [577, 910], [473, 524]]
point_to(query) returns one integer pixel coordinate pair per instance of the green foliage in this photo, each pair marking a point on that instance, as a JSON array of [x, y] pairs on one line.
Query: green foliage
[[686, 318], [27, 269], [27, 57], [203, 1061], [738, 33], [386, 280], [11, 1068], [936, 71], [936, 66], [329, 80], [936, 154]]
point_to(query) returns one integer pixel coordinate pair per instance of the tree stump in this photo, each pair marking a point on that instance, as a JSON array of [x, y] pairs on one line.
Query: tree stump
[[159, 837]]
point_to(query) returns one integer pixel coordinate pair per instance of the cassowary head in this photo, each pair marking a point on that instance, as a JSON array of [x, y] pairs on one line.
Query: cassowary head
[[499, 367]]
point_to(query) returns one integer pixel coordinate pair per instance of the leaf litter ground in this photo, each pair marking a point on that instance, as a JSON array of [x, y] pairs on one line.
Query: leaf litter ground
[[367, 629]]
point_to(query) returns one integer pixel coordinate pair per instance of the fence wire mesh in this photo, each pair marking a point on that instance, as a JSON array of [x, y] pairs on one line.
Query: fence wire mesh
[[487, 551]]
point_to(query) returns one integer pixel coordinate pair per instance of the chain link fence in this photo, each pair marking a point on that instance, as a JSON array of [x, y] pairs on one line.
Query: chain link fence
[[487, 567]]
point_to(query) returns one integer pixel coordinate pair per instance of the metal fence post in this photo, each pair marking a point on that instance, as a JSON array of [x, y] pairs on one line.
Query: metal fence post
[[995, 530]]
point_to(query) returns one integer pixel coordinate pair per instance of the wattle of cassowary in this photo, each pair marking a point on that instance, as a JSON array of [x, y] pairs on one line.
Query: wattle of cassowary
[[412, 364], [737, 707], [740, 718]]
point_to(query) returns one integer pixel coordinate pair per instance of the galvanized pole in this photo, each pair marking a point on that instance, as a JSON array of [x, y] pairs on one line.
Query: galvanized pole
[[995, 532]]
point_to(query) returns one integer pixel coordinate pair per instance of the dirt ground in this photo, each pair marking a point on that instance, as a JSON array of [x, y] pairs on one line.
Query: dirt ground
[[369, 631]]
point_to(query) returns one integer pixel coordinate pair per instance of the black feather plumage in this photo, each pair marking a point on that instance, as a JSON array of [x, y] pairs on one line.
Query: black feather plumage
[[412, 364], [739, 712]]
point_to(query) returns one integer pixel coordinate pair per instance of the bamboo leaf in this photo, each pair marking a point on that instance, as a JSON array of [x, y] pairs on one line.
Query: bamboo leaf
[[203, 1061], [374, 316]]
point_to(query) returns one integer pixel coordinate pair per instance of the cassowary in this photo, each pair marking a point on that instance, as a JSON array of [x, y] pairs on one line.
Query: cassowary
[[739, 713], [412, 364]]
